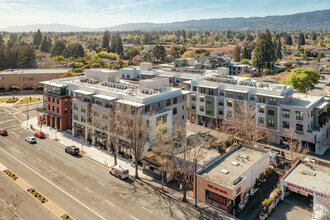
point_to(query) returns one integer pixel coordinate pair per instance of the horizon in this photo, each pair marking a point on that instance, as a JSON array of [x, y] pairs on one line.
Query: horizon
[[93, 14]]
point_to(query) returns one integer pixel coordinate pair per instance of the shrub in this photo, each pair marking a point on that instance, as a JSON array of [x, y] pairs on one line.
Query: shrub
[[78, 70], [33, 190], [266, 203]]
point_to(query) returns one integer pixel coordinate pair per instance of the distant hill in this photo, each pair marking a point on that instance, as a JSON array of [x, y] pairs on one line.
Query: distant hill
[[315, 20]]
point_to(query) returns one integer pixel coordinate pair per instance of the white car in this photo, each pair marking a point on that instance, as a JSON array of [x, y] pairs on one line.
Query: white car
[[31, 140], [119, 172]]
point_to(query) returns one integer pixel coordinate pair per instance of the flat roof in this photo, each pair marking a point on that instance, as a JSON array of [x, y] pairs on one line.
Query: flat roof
[[209, 86], [235, 90], [269, 95], [147, 74], [83, 92], [35, 71], [106, 97], [245, 156], [126, 102], [303, 100], [320, 182]]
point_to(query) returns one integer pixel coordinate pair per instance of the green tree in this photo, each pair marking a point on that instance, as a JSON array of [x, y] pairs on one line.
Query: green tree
[[175, 52], [288, 39], [320, 56], [245, 53], [119, 47], [321, 44], [313, 35], [1, 40], [189, 54], [113, 43], [147, 56], [131, 52], [105, 41], [26, 56], [301, 39], [3, 57], [45, 45], [264, 51], [73, 50], [278, 52], [236, 55], [159, 53], [37, 38], [303, 79], [182, 49], [245, 61], [58, 48]]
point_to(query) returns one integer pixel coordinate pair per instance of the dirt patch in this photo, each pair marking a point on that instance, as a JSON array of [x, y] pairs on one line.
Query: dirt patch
[[37, 195], [11, 174]]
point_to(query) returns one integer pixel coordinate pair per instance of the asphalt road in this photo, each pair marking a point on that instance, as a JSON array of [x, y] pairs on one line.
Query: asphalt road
[[80, 186], [28, 208]]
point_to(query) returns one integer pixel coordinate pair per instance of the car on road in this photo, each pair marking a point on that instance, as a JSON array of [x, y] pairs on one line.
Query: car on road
[[119, 172], [31, 140], [40, 134], [3, 132], [73, 150]]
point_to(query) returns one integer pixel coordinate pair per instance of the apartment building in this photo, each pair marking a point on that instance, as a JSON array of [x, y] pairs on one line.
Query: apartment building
[[95, 96], [237, 68]]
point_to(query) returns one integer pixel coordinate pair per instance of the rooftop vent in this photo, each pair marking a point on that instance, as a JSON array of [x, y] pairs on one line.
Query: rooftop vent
[[306, 172], [224, 171], [235, 163], [245, 157]]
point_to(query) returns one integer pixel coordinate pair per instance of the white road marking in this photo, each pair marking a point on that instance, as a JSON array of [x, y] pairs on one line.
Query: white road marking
[[88, 189], [55, 186], [147, 209], [123, 196], [134, 217], [109, 202], [100, 183], [5, 140], [66, 164], [51, 156], [13, 115], [52, 168], [69, 178], [82, 173], [38, 159]]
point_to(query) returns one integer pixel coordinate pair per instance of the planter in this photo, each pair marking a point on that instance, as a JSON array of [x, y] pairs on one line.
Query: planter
[[263, 216], [66, 217], [11, 174], [37, 195]]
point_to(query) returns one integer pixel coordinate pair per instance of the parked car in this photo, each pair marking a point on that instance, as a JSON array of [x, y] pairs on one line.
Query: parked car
[[3, 132], [31, 140], [119, 172], [40, 134], [73, 150]]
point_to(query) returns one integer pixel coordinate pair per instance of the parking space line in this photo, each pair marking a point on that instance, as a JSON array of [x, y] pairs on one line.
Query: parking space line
[[69, 178], [134, 217], [123, 196], [66, 164], [147, 209], [38, 159], [51, 156], [109, 202], [100, 183], [88, 189], [82, 173]]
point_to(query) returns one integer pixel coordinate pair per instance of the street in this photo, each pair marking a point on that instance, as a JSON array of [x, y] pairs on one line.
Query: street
[[83, 188]]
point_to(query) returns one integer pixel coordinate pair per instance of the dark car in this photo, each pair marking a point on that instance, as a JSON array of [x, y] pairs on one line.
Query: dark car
[[73, 150], [3, 132]]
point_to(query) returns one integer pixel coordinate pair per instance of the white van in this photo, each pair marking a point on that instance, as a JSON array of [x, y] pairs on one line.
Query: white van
[[119, 172]]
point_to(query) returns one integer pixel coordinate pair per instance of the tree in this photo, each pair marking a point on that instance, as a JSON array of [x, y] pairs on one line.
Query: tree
[[45, 45], [245, 61], [264, 51], [278, 50], [105, 41], [303, 79], [147, 56], [113, 43], [74, 50], [189, 54], [1, 40], [320, 56], [3, 57], [67, 74], [41, 121], [58, 48], [119, 47], [131, 52], [288, 39], [301, 39], [25, 56], [245, 53], [175, 52], [236, 55], [243, 124], [313, 35], [37, 38], [159, 53], [182, 49], [9, 205]]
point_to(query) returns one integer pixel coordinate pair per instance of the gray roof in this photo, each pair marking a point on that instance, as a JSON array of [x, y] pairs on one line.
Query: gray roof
[[35, 71]]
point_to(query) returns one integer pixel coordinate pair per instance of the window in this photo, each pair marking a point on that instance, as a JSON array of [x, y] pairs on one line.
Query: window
[[271, 123], [83, 119], [272, 101], [83, 109], [58, 101], [193, 97], [285, 113], [168, 102], [65, 101], [230, 94], [240, 96], [182, 97], [58, 110], [229, 103], [208, 101], [252, 97], [75, 116], [183, 107], [175, 110], [262, 99], [271, 112], [201, 98], [175, 100], [53, 100], [53, 108], [193, 106], [300, 116], [201, 108], [158, 104], [65, 110], [286, 124], [182, 117], [194, 88], [177, 80], [261, 109], [48, 99], [220, 111], [261, 120], [221, 93], [49, 107], [299, 128], [229, 114], [208, 110], [221, 102]]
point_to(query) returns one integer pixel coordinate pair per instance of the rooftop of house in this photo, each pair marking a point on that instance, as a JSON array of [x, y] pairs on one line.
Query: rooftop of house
[[310, 176], [35, 71], [303, 100], [229, 168]]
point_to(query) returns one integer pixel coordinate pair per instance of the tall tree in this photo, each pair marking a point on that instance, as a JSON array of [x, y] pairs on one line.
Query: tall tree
[[183, 33], [45, 45], [236, 55], [37, 38], [3, 57], [113, 43], [1, 40], [245, 53], [264, 51], [105, 41], [159, 53], [74, 50], [288, 39], [303, 79], [175, 52], [278, 50], [119, 47], [58, 48], [301, 39], [313, 35]]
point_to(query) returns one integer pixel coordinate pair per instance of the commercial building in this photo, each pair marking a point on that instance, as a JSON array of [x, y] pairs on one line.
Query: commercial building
[[225, 182], [28, 79]]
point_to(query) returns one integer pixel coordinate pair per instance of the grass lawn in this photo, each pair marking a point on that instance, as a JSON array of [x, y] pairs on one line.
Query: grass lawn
[[27, 100]]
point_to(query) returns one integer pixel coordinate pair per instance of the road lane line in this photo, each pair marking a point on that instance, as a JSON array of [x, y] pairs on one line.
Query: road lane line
[[66, 164], [38, 159], [100, 183], [13, 115], [82, 173], [51, 156], [147, 209], [85, 206], [109, 202], [123, 196], [69, 178], [134, 217], [88, 189]]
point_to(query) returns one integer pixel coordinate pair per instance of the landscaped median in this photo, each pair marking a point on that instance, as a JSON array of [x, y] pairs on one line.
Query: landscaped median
[[52, 207]]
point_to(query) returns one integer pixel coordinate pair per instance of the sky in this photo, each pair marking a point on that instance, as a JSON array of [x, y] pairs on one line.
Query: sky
[[106, 13]]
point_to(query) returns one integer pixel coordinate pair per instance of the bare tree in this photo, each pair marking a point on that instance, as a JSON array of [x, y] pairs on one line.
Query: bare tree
[[297, 151], [242, 123], [41, 121], [9, 204]]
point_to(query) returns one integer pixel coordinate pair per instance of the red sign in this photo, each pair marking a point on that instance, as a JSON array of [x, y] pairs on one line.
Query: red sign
[[217, 189]]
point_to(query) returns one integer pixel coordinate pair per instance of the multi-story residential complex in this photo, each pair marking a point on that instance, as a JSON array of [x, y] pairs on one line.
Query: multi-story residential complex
[[278, 107], [237, 68], [80, 102]]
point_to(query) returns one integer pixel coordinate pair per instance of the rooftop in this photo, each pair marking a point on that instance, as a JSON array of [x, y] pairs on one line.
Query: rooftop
[[35, 71], [303, 100], [302, 175], [234, 163]]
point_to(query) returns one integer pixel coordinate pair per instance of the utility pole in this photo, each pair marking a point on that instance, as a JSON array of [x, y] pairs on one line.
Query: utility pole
[[27, 114], [195, 184]]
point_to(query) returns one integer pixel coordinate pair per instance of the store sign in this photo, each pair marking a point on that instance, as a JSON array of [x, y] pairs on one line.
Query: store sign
[[303, 190], [217, 189]]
